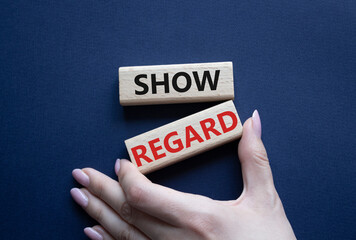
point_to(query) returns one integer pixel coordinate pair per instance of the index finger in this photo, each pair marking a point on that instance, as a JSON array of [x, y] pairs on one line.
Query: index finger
[[164, 203]]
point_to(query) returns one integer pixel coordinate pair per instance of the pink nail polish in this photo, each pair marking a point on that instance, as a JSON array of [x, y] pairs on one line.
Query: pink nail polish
[[79, 197], [92, 234], [117, 166], [81, 177], [256, 123]]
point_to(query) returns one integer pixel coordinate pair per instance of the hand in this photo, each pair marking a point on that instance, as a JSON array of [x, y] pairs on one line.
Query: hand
[[136, 208]]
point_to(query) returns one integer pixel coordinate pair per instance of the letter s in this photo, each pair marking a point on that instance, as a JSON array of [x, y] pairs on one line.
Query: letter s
[[141, 84]]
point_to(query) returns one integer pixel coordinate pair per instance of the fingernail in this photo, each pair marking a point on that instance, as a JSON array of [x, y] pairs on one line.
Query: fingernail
[[81, 177], [256, 123], [79, 197], [92, 234], [117, 166]]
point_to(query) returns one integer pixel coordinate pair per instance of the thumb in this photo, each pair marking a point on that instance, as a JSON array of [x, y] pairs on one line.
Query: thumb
[[256, 171]]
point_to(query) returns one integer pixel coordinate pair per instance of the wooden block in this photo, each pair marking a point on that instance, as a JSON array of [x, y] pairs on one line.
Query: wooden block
[[181, 83], [185, 138]]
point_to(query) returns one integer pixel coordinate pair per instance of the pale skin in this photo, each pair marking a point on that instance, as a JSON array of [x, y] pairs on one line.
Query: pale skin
[[135, 208]]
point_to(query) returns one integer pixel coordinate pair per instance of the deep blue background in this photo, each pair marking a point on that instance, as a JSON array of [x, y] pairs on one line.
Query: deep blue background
[[295, 61]]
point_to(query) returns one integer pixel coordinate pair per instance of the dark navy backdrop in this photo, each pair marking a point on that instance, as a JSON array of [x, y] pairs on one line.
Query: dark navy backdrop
[[295, 61]]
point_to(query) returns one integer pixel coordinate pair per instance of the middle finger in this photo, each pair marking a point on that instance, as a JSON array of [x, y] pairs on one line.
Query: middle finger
[[101, 186]]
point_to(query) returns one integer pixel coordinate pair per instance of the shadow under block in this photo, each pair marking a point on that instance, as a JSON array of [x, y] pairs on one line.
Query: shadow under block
[[185, 137], [180, 83]]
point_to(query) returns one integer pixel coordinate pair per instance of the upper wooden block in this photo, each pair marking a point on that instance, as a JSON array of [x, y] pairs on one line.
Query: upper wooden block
[[179, 83], [184, 138]]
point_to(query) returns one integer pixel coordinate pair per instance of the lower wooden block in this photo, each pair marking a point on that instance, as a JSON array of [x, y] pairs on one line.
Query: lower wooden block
[[185, 138]]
